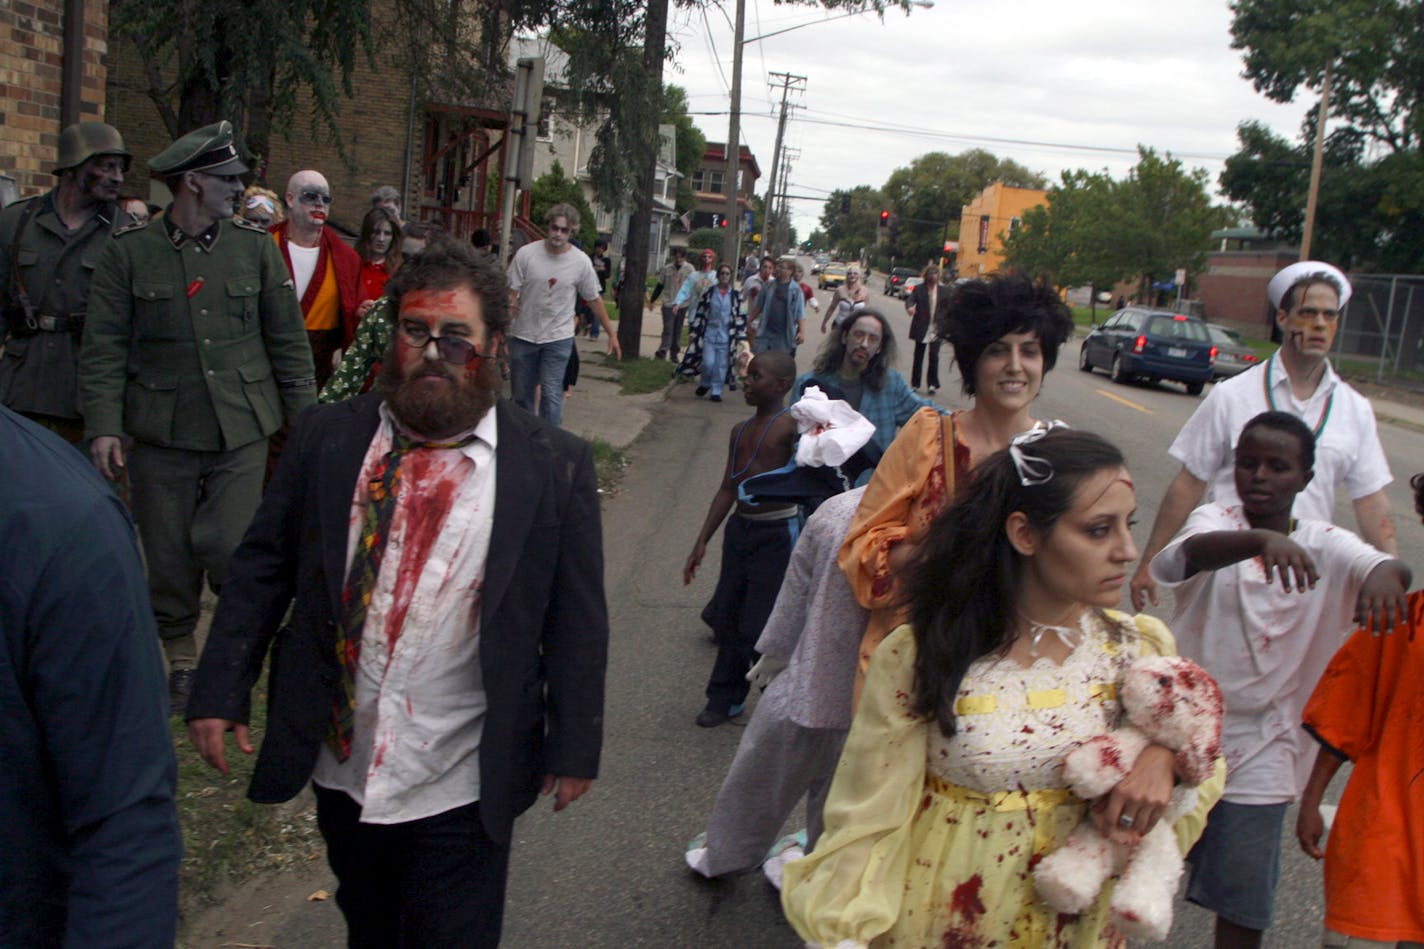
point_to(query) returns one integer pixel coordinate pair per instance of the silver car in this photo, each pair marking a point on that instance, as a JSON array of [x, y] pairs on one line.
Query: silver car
[[1233, 356]]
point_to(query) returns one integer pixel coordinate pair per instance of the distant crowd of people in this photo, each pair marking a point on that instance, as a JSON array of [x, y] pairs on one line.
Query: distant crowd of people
[[926, 600]]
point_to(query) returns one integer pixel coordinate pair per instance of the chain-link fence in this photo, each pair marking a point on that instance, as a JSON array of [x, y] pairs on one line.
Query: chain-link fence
[[1382, 330]]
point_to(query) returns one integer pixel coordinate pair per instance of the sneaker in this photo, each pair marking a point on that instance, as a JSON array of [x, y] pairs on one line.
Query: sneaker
[[714, 398], [786, 850], [932, 390], [701, 391]]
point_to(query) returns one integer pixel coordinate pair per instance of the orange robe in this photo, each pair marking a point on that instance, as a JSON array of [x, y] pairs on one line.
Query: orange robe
[[912, 484], [1369, 707]]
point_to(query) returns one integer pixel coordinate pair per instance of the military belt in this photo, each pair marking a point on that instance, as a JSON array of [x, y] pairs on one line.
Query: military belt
[[46, 323]]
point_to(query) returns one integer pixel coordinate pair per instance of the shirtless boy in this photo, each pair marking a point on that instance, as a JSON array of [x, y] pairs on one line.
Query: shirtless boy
[[757, 542]]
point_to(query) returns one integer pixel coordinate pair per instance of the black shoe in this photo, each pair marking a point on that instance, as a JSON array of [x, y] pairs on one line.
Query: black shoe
[[660, 354], [180, 684], [714, 398], [701, 391]]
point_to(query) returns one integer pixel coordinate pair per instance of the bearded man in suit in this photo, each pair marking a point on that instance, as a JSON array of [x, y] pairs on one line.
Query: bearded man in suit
[[444, 660]]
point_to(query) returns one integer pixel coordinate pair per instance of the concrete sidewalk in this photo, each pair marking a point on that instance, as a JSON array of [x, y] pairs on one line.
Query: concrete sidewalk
[[597, 408]]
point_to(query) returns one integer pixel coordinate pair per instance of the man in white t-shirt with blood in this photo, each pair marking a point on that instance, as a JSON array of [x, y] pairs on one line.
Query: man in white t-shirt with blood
[[546, 278], [1308, 297]]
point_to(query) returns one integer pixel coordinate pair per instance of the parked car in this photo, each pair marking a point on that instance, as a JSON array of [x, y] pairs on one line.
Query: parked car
[[832, 276], [1233, 356], [819, 264], [1153, 345], [896, 281], [909, 288]]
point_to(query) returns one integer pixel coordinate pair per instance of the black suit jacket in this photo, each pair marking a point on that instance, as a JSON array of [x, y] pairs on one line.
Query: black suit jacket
[[920, 297], [543, 619]]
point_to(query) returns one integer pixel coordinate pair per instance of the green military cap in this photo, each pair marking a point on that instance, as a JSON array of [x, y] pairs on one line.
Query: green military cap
[[208, 149]]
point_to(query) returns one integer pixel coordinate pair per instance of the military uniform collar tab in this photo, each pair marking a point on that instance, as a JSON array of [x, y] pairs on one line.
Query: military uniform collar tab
[[178, 238]]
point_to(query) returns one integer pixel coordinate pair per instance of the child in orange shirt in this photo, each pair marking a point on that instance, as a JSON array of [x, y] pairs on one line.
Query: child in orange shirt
[[1366, 710]]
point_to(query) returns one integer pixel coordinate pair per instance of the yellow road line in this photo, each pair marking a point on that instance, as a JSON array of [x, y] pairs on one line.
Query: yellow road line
[[1127, 402]]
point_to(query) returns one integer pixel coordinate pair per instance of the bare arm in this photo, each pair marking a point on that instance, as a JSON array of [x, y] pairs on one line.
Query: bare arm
[[601, 313], [1373, 514], [722, 502], [1183, 494], [1309, 825], [1279, 554]]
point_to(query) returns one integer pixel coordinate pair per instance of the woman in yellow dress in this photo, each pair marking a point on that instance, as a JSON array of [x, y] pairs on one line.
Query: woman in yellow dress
[[950, 787]]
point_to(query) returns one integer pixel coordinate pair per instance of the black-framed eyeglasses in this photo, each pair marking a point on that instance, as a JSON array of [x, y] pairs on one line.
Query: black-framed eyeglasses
[[315, 197], [452, 349]]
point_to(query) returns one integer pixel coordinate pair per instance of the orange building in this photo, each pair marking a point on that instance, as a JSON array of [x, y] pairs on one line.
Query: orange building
[[987, 220]]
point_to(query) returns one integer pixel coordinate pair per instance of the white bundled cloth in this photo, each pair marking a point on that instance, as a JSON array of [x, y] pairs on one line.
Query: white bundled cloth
[[831, 431]]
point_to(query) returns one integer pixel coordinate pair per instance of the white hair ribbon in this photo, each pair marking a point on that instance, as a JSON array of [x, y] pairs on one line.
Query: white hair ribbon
[[1032, 470]]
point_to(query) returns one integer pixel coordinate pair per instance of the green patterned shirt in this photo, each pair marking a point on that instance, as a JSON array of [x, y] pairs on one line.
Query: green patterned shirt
[[367, 349]]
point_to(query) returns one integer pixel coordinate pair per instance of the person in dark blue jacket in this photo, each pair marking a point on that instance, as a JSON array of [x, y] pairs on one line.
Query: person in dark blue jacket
[[89, 841]]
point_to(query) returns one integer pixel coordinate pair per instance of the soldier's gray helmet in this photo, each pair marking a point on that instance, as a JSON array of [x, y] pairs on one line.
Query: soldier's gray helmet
[[83, 140]]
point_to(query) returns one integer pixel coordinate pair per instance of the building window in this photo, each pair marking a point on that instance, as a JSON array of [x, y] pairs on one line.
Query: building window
[[546, 121], [1015, 223], [714, 181]]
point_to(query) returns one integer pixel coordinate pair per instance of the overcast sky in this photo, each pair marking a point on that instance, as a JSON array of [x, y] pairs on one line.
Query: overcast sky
[[1052, 85]]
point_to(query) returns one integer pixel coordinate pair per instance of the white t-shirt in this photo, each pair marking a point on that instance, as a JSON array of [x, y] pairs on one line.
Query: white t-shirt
[[1347, 448], [303, 265], [1265, 647], [549, 286]]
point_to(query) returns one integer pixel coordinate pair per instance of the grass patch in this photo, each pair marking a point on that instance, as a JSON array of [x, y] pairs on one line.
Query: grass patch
[[226, 837], [641, 375], [608, 464]]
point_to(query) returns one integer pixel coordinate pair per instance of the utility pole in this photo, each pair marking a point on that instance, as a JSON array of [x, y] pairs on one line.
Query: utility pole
[[787, 80], [782, 234], [734, 141], [1315, 164]]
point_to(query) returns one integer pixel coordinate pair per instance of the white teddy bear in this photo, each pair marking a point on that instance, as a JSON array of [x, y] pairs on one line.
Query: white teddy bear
[[1173, 702]]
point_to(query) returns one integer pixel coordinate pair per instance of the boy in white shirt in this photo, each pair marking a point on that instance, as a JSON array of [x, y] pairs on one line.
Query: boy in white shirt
[[1266, 645]]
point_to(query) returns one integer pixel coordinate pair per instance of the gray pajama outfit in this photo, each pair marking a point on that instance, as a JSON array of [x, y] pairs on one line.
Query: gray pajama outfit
[[794, 740]]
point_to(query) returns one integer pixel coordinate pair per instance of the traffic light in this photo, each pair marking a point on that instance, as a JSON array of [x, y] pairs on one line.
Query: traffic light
[[722, 223], [845, 204], [884, 218]]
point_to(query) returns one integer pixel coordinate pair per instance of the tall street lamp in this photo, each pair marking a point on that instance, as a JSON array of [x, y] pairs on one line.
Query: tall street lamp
[[734, 130]]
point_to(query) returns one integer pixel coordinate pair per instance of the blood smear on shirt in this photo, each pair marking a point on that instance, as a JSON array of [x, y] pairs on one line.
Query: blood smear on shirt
[[424, 511]]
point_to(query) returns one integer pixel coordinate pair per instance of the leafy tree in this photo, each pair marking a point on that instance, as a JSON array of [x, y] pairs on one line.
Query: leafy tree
[[1375, 50], [1064, 239], [250, 62], [928, 196], [858, 224], [1098, 231], [1369, 214], [1166, 217], [705, 238], [556, 188]]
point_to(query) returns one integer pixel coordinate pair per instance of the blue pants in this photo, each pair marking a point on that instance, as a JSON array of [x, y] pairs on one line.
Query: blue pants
[[715, 363], [539, 366]]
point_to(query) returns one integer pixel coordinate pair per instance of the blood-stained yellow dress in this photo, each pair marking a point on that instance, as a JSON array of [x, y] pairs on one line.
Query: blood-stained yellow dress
[[931, 841]]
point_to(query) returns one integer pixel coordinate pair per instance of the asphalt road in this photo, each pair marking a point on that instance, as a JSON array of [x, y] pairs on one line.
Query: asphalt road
[[608, 872]]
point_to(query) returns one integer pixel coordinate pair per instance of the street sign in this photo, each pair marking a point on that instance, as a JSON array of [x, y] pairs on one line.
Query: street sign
[[1181, 277], [748, 217]]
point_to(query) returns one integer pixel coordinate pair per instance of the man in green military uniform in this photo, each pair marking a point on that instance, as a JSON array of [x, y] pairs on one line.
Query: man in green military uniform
[[48, 246], [194, 347]]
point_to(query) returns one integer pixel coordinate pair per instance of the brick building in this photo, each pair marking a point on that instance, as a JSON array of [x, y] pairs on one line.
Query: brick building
[[438, 150], [52, 74], [711, 189]]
